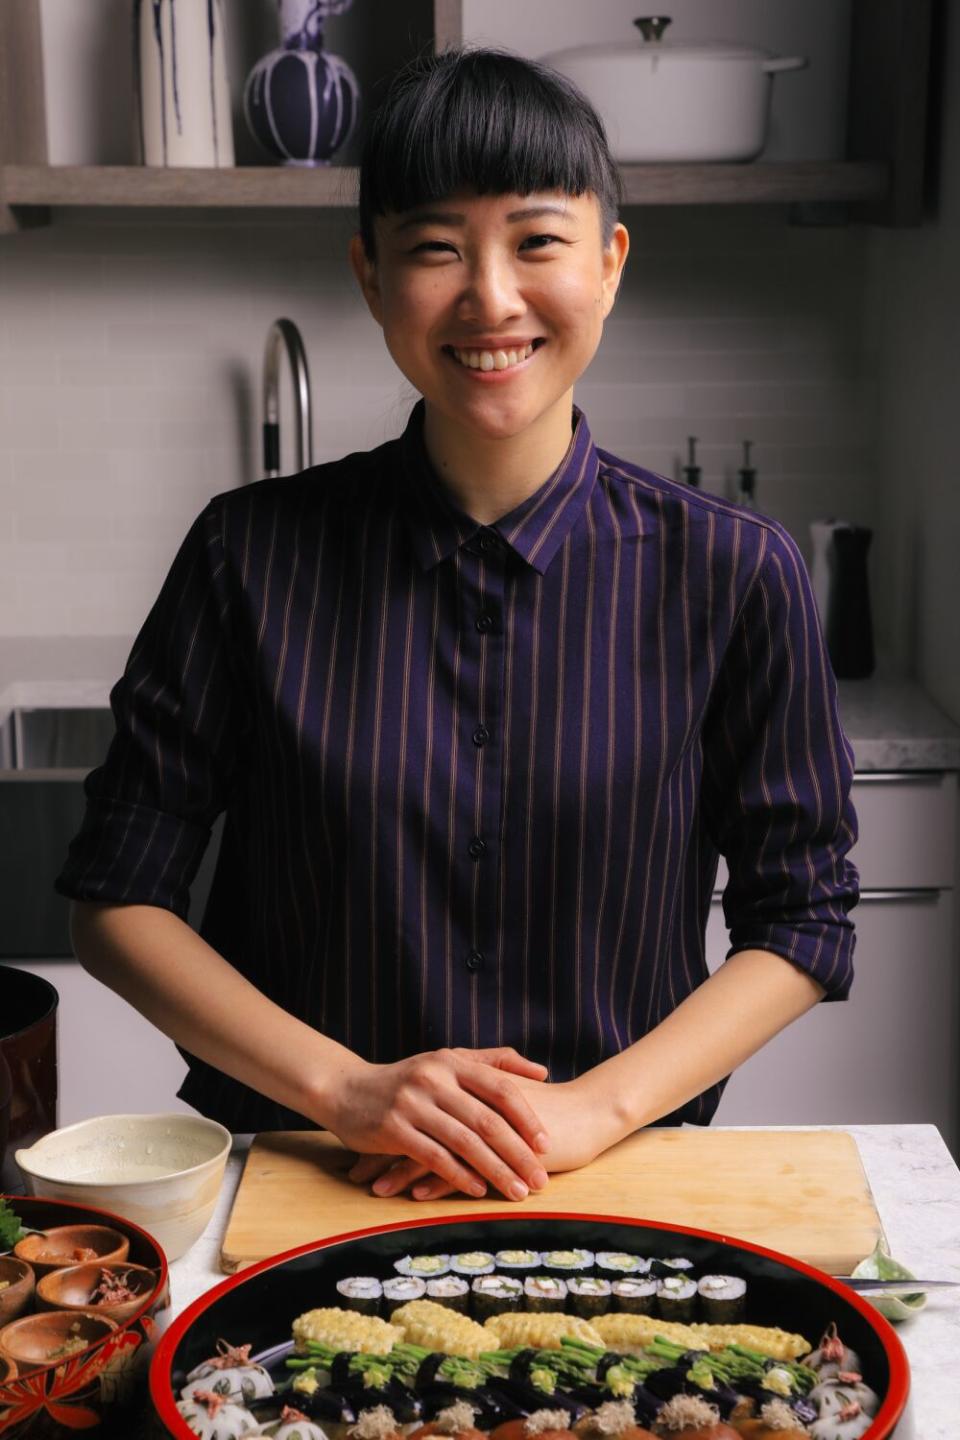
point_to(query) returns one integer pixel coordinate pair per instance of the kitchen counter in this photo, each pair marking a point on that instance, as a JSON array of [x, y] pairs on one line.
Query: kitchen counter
[[890, 721], [916, 1186]]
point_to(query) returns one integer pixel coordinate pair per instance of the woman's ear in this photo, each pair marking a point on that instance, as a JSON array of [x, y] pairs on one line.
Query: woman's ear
[[614, 259], [368, 279]]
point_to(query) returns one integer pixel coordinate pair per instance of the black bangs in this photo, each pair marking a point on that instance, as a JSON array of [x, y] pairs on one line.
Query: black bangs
[[485, 120]]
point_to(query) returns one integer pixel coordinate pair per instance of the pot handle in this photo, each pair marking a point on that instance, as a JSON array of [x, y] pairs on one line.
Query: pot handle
[[784, 62]]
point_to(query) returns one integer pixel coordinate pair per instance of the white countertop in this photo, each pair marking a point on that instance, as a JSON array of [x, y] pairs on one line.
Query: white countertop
[[916, 1186]]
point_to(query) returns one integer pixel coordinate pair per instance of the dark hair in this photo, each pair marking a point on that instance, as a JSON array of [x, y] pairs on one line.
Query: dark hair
[[485, 120]]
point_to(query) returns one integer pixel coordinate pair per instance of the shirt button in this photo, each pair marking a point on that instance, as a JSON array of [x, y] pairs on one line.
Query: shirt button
[[481, 735], [484, 622], [489, 543], [476, 848], [474, 960]]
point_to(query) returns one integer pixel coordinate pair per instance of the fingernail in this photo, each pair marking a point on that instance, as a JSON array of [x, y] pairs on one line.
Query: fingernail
[[421, 1192], [519, 1191], [478, 1190], [542, 1142], [538, 1179], [382, 1186]]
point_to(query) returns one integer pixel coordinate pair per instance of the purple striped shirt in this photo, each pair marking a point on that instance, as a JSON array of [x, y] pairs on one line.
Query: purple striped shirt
[[477, 777]]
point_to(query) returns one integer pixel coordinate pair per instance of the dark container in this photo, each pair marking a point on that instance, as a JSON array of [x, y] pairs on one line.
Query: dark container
[[28, 1046], [849, 622]]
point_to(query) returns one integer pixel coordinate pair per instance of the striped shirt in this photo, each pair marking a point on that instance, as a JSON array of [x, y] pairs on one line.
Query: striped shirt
[[476, 778]]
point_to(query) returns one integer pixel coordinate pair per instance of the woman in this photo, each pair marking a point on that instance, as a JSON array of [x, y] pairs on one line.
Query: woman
[[482, 706]]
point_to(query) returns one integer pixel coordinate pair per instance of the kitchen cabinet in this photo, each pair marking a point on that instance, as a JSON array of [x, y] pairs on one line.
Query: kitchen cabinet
[[880, 181], [889, 1053]]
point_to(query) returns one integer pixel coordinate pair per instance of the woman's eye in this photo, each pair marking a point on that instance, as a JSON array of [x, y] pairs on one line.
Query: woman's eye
[[541, 242], [433, 246]]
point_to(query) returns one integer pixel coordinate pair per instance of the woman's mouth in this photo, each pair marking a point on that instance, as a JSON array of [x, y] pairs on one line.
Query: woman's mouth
[[488, 361]]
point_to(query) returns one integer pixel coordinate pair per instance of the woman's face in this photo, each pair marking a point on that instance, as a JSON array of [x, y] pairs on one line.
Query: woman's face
[[464, 287]]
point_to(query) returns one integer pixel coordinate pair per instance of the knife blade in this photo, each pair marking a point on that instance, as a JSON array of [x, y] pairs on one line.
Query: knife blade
[[895, 1287]]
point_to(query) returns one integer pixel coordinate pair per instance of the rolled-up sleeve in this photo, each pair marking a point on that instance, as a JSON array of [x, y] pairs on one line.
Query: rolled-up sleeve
[[777, 776], [172, 763]]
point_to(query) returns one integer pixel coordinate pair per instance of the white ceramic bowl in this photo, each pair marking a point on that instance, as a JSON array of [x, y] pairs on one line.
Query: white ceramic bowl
[[160, 1171]]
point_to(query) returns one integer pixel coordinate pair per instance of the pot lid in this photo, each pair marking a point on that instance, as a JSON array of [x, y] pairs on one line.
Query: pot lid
[[650, 42]]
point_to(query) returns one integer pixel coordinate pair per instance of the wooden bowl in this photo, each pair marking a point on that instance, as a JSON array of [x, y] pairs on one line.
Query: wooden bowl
[[74, 1289], [8, 1371], [57, 1249], [18, 1291], [33, 1341]]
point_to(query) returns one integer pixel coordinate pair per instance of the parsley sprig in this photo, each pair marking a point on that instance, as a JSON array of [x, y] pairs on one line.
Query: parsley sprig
[[10, 1228]]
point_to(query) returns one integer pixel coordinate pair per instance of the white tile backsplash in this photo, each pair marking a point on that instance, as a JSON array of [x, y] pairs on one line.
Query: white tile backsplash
[[130, 352]]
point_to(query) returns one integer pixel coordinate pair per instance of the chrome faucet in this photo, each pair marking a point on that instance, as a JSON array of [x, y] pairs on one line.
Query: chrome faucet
[[286, 332]]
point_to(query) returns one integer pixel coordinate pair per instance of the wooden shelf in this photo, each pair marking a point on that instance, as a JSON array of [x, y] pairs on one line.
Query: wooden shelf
[[273, 187]]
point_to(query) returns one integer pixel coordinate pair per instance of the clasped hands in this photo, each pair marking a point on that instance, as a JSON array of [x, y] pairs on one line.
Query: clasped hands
[[460, 1120]]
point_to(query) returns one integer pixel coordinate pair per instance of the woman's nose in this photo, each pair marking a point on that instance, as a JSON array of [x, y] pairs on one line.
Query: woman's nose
[[491, 294]]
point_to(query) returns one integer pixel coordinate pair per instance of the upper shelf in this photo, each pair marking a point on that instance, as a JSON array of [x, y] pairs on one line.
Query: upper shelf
[[279, 187]]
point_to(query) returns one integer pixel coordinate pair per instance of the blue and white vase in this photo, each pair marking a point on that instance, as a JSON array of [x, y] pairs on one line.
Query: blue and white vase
[[301, 102], [181, 81]]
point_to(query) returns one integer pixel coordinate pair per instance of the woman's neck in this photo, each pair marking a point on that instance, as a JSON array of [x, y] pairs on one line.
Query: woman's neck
[[488, 477]]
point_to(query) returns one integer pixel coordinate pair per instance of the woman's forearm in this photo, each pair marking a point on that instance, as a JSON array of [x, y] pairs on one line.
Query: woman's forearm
[[728, 1018], [180, 983]]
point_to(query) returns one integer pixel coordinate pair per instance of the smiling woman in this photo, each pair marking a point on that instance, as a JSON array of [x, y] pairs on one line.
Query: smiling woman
[[483, 707]]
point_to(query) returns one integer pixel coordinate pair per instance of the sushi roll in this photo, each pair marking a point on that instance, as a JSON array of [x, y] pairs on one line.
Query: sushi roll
[[567, 1262], [473, 1263], [589, 1295], [634, 1294], [493, 1294], [672, 1265], [722, 1298], [676, 1298], [617, 1265], [544, 1292], [520, 1263], [399, 1289], [450, 1290], [361, 1293], [423, 1267]]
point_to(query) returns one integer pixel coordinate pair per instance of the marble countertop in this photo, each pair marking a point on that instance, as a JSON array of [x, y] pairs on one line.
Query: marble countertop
[[916, 1187], [890, 721]]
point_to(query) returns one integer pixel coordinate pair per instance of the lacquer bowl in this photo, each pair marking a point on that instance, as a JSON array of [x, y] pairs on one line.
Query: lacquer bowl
[[91, 1388], [75, 1289], [258, 1305]]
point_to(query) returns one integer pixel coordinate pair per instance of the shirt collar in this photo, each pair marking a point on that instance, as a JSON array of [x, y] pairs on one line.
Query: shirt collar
[[535, 529]]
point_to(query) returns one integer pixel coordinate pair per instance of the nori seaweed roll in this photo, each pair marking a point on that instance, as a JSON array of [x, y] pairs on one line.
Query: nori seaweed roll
[[544, 1292], [676, 1298], [450, 1290], [617, 1265], [672, 1265], [634, 1294], [472, 1263], [722, 1298], [400, 1290], [518, 1262], [424, 1267], [589, 1295], [361, 1293], [493, 1294], [567, 1262]]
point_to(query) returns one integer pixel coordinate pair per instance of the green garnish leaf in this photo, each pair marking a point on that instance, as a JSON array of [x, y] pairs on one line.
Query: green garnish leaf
[[11, 1229]]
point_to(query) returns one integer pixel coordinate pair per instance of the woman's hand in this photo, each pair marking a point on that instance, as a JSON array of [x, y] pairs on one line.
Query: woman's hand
[[457, 1114], [581, 1122]]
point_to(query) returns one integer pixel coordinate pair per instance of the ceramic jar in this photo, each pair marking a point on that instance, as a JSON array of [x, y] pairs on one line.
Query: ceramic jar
[[181, 81], [301, 102]]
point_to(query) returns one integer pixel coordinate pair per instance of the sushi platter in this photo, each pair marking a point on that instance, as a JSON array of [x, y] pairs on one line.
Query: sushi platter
[[531, 1326], [803, 1193]]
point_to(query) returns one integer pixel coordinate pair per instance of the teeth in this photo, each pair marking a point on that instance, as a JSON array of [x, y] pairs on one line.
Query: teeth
[[492, 359]]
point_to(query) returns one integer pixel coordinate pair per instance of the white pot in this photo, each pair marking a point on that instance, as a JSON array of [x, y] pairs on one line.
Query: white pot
[[663, 101], [182, 88]]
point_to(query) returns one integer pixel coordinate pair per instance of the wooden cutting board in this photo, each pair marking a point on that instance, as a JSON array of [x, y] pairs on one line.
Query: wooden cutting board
[[802, 1192]]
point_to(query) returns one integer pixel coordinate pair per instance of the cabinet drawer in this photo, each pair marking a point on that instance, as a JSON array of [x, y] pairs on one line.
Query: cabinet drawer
[[908, 831]]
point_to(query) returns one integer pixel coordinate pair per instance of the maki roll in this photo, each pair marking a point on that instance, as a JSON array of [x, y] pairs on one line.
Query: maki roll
[[722, 1298], [676, 1298], [361, 1293], [450, 1290], [567, 1262], [544, 1292], [673, 1265], [589, 1295], [634, 1295], [520, 1263], [473, 1263], [493, 1294], [617, 1265], [401, 1288], [423, 1267]]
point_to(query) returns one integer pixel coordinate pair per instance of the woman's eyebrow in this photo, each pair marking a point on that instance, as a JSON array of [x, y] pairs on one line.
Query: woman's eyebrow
[[450, 217]]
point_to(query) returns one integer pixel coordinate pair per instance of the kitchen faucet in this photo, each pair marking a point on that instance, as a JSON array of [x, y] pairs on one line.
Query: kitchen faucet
[[286, 332]]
